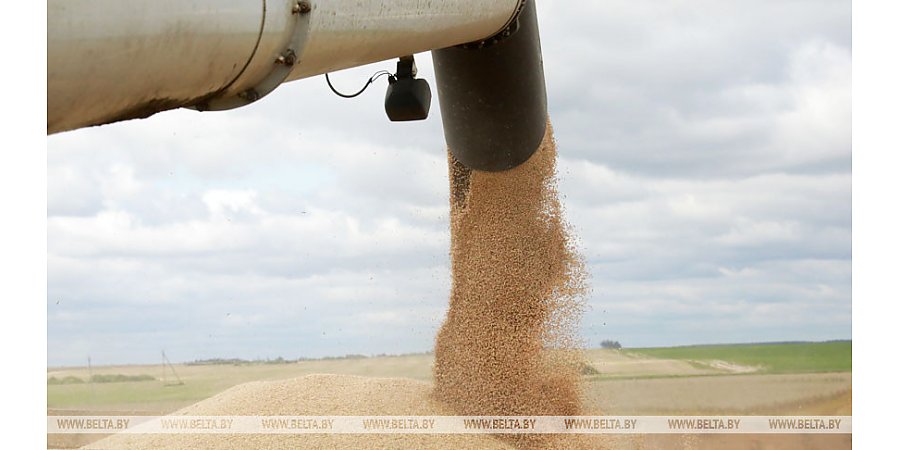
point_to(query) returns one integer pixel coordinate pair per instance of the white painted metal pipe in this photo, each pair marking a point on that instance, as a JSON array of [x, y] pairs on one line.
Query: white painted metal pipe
[[350, 33], [110, 60]]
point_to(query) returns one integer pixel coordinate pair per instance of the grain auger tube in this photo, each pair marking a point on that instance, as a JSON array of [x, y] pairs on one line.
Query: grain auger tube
[[114, 60]]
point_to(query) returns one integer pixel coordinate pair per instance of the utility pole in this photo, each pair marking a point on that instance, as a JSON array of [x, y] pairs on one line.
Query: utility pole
[[91, 377], [166, 362]]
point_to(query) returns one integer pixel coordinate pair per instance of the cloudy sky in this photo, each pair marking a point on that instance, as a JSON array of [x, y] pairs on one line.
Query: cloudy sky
[[705, 166]]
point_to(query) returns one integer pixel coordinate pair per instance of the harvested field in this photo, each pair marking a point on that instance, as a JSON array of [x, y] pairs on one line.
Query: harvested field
[[785, 357], [643, 393], [619, 364], [204, 381], [733, 394]]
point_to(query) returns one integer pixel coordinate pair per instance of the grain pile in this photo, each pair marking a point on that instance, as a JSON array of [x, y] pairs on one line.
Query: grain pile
[[509, 343], [311, 395]]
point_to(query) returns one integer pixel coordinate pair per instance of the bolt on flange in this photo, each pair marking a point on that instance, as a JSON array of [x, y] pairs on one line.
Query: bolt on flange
[[301, 7]]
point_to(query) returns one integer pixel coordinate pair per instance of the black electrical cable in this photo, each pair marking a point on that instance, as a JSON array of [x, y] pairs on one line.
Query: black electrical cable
[[371, 80]]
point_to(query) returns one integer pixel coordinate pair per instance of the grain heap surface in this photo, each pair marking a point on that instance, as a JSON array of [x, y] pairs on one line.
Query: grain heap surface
[[311, 395]]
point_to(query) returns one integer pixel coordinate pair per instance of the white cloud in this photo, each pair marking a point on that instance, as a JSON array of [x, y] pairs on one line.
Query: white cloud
[[224, 204], [71, 192], [702, 89]]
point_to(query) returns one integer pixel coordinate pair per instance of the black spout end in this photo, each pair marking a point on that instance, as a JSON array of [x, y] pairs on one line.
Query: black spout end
[[493, 98]]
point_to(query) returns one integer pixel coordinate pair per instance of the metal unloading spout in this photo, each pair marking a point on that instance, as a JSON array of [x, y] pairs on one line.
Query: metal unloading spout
[[492, 96]]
